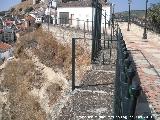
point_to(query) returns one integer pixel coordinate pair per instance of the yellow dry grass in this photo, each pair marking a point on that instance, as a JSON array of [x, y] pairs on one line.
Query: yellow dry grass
[[54, 54], [20, 76], [19, 79]]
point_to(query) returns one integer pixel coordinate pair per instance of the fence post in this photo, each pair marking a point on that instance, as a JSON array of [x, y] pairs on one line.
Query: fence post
[[87, 25], [105, 30], [105, 20], [104, 38], [111, 32], [110, 53], [73, 63], [77, 23], [135, 90], [84, 30], [48, 22]]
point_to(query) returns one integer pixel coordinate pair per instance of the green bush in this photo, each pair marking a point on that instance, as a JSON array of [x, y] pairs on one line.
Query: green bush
[[154, 17]]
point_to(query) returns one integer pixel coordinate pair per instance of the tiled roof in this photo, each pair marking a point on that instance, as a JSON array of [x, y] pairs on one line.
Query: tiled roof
[[4, 46]]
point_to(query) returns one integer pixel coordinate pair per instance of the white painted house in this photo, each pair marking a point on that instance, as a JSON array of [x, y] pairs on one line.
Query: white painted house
[[79, 13], [6, 51], [75, 13]]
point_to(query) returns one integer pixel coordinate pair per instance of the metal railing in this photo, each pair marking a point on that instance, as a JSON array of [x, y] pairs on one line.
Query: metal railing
[[127, 87]]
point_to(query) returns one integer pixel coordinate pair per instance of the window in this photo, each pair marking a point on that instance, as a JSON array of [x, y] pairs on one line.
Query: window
[[64, 17]]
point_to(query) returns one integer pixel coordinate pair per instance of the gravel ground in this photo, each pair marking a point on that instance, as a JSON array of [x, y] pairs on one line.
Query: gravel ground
[[93, 98]]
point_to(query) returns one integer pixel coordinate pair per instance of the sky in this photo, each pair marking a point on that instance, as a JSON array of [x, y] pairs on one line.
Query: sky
[[120, 5], [6, 4]]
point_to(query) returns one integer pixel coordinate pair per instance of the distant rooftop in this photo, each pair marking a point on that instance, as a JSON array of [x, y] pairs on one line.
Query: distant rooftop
[[4, 46]]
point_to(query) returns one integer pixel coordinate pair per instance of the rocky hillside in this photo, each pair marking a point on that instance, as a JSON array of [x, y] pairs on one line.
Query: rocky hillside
[[36, 83]]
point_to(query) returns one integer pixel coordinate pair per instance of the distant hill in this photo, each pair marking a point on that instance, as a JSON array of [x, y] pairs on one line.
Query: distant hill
[[135, 13]]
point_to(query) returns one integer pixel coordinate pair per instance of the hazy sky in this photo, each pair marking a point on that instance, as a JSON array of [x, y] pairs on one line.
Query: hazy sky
[[121, 5]]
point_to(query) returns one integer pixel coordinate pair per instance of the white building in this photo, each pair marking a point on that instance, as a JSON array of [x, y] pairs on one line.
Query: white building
[[75, 13], [79, 13], [6, 51]]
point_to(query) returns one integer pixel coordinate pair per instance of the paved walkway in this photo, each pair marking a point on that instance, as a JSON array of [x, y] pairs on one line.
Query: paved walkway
[[146, 55]]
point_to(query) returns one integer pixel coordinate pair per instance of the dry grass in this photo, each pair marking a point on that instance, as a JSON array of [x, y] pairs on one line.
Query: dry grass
[[54, 54], [51, 53], [54, 91], [20, 77]]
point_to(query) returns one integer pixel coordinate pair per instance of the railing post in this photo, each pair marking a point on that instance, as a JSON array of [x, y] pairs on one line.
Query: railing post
[[130, 75], [135, 91], [73, 63]]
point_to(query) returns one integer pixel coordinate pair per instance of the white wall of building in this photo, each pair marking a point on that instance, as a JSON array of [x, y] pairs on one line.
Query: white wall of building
[[34, 2], [45, 1], [81, 14], [107, 9], [7, 54]]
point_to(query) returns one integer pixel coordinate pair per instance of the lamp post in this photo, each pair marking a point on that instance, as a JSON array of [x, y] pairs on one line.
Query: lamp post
[[145, 27], [129, 14]]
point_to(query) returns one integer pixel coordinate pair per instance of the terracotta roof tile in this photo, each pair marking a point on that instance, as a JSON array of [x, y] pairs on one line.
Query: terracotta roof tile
[[4, 46]]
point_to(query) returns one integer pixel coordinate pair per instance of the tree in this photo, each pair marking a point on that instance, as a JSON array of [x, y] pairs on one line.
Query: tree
[[154, 17]]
